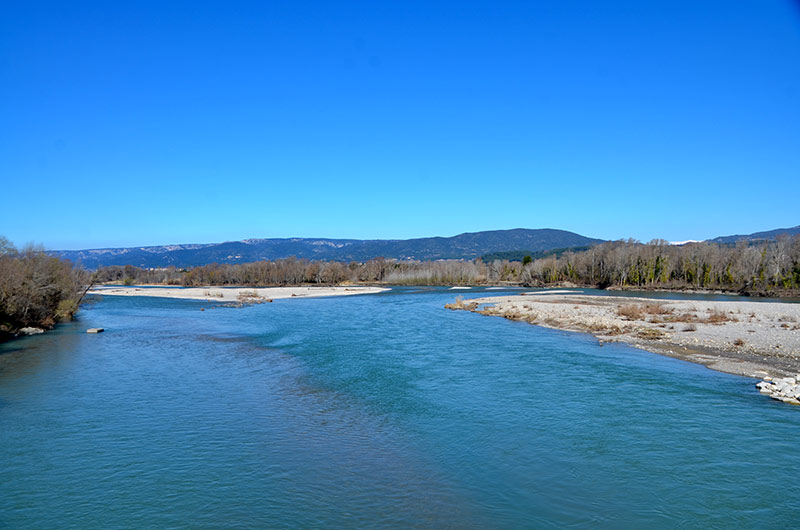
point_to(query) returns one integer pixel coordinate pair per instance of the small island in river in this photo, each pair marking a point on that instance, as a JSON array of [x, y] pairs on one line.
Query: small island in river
[[756, 339]]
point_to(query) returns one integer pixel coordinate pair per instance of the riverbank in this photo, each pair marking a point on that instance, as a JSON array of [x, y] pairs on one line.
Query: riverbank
[[236, 294], [756, 339], [745, 293]]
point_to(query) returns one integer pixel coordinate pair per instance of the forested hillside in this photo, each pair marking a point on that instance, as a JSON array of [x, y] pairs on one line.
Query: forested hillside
[[758, 236], [462, 246]]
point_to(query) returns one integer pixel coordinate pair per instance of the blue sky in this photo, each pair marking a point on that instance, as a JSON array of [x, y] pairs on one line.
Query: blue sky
[[135, 123]]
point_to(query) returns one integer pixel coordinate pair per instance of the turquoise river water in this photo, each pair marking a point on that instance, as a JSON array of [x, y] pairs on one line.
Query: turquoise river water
[[375, 411]]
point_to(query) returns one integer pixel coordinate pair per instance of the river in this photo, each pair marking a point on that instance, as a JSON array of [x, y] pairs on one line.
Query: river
[[375, 411]]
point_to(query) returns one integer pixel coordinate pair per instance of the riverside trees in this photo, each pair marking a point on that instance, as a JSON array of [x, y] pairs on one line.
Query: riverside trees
[[36, 290], [772, 266]]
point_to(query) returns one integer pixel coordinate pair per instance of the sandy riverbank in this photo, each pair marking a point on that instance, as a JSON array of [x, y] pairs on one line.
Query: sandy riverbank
[[235, 294], [744, 338]]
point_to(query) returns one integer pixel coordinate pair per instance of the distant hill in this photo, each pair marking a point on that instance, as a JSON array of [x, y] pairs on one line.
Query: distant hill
[[463, 246], [758, 236]]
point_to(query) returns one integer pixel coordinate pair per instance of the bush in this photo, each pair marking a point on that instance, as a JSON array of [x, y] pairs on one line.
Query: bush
[[631, 312], [719, 317], [66, 309], [36, 290]]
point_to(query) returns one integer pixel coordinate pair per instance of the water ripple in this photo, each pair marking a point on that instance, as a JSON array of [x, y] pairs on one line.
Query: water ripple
[[374, 411]]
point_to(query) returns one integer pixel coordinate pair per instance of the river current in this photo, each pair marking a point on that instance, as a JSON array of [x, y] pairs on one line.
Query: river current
[[375, 411]]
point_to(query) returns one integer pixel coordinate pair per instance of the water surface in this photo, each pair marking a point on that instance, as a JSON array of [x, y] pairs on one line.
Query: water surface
[[374, 411]]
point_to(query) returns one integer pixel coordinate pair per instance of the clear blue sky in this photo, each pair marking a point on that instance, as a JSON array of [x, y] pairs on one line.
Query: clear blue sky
[[136, 123]]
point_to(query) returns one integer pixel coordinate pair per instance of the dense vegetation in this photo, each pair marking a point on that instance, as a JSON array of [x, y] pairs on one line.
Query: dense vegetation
[[36, 290], [528, 255], [768, 267], [765, 267]]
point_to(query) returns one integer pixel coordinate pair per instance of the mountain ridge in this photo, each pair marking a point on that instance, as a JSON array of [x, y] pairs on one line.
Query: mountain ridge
[[757, 236], [468, 245]]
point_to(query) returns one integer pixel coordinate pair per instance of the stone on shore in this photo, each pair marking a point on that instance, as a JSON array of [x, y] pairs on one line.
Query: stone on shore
[[784, 389], [31, 331]]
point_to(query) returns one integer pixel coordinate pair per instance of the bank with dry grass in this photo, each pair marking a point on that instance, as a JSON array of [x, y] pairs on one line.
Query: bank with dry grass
[[745, 338]]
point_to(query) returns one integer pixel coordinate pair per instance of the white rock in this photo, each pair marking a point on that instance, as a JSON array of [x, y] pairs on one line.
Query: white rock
[[31, 331]]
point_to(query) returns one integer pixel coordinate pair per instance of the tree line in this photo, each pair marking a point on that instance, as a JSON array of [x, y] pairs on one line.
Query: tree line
[[36, 290], [769, 267]]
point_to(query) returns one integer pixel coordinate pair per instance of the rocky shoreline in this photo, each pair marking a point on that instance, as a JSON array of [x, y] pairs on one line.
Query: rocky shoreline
[[785, 389], [754, 339]]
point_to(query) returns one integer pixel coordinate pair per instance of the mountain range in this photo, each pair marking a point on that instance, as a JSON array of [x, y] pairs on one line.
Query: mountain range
[[758, 236], [492, 243], [462, 246]]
